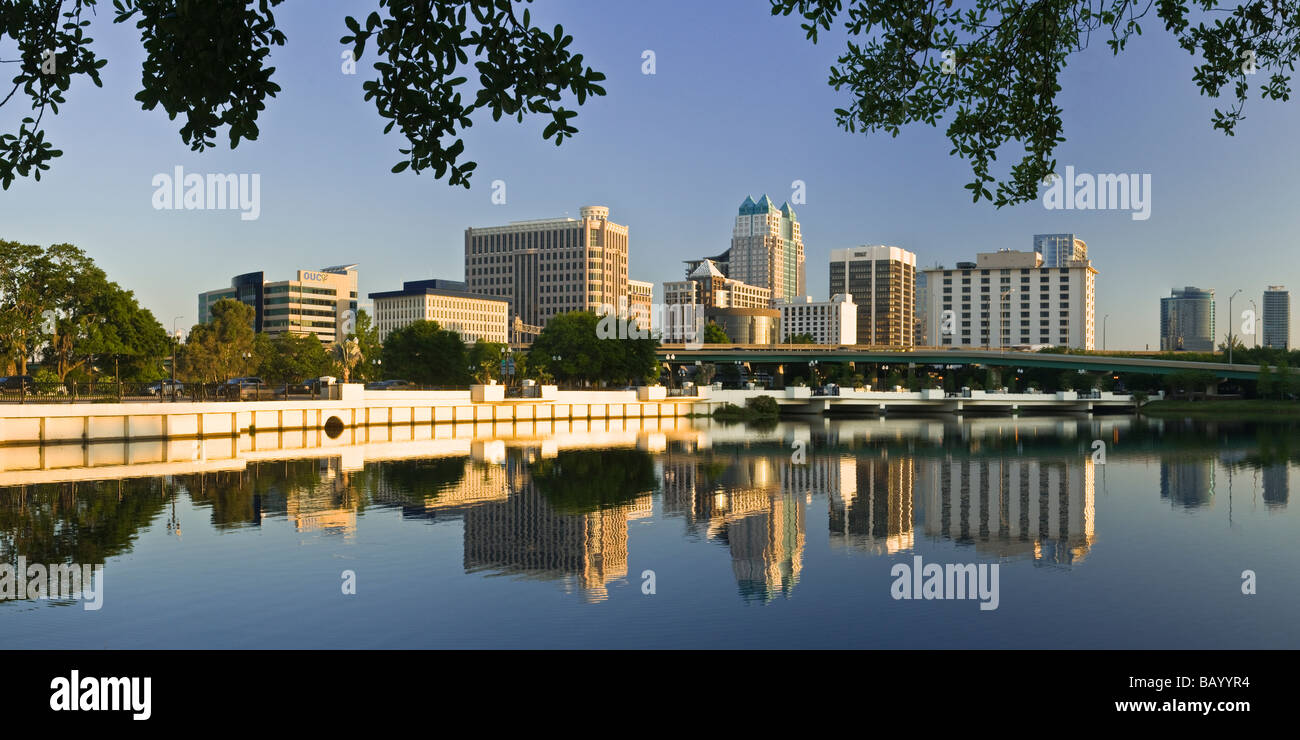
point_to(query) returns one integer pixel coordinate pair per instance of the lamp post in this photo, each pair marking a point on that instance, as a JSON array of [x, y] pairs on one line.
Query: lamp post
[[1231, 318], [669, 367], [176, 340], [1254, 312]]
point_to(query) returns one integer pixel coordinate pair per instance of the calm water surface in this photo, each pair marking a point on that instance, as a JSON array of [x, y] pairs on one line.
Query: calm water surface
[[770, 537]]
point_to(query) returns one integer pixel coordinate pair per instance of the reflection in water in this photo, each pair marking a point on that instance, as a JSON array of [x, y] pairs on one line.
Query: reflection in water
[[1010, 507], [556, 504], [1187, 483]]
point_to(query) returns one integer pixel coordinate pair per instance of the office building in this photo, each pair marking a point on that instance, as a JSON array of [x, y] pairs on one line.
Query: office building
[[743, 311], [640, 299], [1187, 320], [827, 322], [882, 281], [767, 249], [1277, 317], [551, 266], [321, 302], [1010, 299], [1058, 250], [721, 261], [447, 302]]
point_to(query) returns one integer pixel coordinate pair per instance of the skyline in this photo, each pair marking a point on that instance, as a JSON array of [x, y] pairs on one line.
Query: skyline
[[668, 155]]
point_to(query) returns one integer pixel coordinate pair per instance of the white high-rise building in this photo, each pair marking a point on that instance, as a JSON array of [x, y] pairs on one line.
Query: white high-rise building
[[1009, 298], [827, 322]]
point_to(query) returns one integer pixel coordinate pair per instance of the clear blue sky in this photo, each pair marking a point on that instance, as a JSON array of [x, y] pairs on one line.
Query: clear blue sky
[[739, 106]]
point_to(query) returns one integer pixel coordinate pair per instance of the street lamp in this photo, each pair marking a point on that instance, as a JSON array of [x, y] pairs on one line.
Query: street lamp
[[176, 339], [1231, 319], [1254, 312]]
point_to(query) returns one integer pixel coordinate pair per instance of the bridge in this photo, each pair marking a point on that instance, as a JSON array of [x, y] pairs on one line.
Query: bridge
[[781, 354]]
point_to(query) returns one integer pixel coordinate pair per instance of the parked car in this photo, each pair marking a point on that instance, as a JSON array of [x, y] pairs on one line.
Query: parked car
[[166, 388], [241, 388], [391, 385], [308, 387], [17, 384]]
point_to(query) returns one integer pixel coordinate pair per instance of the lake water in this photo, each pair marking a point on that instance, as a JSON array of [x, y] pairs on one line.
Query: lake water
[[1109, 532]]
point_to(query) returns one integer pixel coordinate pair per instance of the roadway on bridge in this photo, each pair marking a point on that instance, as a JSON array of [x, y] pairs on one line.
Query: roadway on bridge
[[800, 353]]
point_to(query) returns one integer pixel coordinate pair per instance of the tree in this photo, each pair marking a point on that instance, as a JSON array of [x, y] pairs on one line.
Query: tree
[[995, 66], [425, 353], [585, 357], [98, 321], [225, 347], [1285, 383], [292, 357], [713, 334], [346, 356], [207, 63], [804, 338], [485, 358], [34, 282], [367, 336], [1265, 384]]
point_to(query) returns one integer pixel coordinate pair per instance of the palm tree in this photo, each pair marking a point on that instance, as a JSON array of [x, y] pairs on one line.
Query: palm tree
[[347, 354]]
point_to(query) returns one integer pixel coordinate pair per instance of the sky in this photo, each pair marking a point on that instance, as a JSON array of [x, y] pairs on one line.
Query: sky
[[738, 106]]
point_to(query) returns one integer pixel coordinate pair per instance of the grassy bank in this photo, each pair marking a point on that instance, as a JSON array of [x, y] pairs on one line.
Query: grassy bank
[[1226, 409]]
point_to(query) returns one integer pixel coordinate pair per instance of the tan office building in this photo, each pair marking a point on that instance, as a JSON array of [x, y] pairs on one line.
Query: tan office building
[[447, 302], [552, 266], [321, 302]]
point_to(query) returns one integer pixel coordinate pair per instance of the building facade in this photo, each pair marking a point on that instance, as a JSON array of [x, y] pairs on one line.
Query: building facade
[[1277, 317], [1187, 320], [552, 266], [447, 302], [1009, 299], [828, 322], [767, 249], [706, 289], [882, 281], [640, 300], [1058, 250], [320, 302]]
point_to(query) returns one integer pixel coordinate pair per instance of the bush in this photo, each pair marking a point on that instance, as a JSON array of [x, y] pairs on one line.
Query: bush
[[763, 406]]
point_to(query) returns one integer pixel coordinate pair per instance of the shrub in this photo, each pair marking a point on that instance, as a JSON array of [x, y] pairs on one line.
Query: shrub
[[763, 406]]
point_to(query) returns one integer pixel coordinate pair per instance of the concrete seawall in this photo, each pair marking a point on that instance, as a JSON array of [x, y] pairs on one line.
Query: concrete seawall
[[87, 423]]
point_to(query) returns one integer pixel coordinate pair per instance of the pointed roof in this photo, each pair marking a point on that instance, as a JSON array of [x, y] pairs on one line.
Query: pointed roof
[[788, 212], [706, 270], [763, 205]]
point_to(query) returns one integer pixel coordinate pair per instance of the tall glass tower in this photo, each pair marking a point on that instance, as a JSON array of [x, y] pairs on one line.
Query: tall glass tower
[[1277, 317]]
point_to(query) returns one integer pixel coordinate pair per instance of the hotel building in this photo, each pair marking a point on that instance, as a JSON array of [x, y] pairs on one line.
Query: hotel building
[[882, 281], [321, 302], [1010, 298], [827, 322], [551, 266], [1187, 320], [447, 302]]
